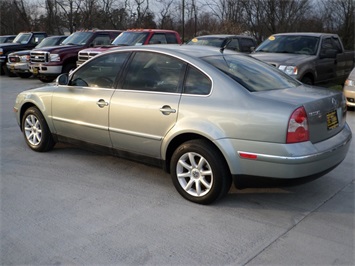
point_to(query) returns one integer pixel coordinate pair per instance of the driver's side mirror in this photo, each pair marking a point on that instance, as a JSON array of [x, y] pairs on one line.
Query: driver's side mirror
[[62, 79]]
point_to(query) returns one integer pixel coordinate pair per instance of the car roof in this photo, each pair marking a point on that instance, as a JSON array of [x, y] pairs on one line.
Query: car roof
[[178, 50], [149, 30], [56, 36], [222, 36], [313, 34]]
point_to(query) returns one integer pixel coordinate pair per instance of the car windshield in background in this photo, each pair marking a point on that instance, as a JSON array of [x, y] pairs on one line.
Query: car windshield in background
[[23, 38], [131, 38], [78, 38], [3, 39], [290, 44], [47, 42], [254, 75], [216, 42]]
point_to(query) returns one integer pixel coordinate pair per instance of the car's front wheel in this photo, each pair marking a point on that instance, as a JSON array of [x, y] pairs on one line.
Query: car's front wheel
[[35, 130], [199, 172]]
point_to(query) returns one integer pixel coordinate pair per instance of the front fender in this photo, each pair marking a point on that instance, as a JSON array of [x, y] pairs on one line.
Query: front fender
[[41, 100]]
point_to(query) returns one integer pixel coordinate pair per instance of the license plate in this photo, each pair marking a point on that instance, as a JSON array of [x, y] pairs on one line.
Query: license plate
[[12, 67], [332, 120], [35, 70]]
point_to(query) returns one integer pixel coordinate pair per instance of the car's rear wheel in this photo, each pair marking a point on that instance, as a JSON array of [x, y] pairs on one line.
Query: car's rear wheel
[[199, 172], [35, 130]]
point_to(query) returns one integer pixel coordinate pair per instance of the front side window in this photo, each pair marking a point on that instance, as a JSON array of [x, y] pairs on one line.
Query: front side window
[[100, 72], [233, 45], [253, 74], [154, 72]]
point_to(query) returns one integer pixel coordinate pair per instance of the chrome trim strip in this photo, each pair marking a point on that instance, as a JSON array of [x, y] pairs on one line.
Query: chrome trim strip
[[120, 131], [81, 123], [135, 134]]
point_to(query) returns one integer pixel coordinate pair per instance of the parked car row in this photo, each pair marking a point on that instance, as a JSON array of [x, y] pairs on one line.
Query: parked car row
[[18, 62], [312, 58]]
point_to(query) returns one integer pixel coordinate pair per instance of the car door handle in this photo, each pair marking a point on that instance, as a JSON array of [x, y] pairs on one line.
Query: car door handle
[[101, 103], [167, 110]]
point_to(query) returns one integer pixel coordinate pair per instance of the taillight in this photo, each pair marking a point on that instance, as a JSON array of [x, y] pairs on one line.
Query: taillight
[[297, 130]]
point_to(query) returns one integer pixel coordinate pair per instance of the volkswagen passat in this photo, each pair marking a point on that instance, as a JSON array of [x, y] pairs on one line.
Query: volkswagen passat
[[205, 115]]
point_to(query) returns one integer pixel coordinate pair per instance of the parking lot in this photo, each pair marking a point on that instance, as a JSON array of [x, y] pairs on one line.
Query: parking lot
[[72, 206]]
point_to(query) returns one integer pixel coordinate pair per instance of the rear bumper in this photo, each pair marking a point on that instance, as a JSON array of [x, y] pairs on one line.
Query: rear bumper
[[288, 161]]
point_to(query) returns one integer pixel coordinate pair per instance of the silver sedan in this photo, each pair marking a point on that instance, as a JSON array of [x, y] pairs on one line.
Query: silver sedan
[[207, 116]]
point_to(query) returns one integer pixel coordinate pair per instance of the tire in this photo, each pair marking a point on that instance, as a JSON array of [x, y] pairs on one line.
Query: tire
[[36, 132], [68, 67], [307, 80], [8, 73], [199, 172], [24, 75], [46, 79]]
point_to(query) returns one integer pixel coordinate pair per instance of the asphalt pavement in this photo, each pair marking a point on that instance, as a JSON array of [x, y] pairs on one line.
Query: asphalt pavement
[[71, 206]]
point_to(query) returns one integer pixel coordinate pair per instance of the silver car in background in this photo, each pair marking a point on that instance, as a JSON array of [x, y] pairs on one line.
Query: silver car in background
[[349, 89], [205, 115]]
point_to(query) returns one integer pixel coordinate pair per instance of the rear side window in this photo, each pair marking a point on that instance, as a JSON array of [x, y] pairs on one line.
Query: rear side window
[[171, 38], [246, 45], [100, 72], [158, 38], [196, 82], [154, 72]]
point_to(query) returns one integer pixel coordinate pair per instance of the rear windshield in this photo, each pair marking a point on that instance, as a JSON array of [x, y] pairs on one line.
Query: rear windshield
[[253, 74]]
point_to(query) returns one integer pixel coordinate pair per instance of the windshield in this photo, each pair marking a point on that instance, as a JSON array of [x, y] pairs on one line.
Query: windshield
[[130, 38], [253, 74], [78, 38], [22, 38], [290, 44], [3, 39], [48, 42], [216, 42]]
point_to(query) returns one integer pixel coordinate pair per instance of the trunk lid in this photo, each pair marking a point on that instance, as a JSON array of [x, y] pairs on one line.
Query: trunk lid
[[325, 108]]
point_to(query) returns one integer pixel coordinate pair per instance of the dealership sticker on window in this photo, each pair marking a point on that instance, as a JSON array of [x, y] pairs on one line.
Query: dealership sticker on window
[[194, 40], [272, 38]]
